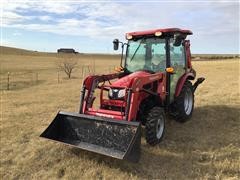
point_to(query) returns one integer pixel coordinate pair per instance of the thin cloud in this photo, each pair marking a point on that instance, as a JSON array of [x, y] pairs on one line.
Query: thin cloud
[[113, 19], [17, 34], [102, 18]]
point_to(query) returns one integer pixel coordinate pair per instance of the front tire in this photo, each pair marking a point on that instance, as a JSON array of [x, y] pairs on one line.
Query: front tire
[[183, 106], [155, 125]]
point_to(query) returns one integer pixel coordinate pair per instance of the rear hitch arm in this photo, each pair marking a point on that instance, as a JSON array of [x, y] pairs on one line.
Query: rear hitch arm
[[199, 81]]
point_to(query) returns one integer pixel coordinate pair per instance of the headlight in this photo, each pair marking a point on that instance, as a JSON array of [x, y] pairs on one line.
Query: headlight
[[116, 93], [121, 93], [110, 93]]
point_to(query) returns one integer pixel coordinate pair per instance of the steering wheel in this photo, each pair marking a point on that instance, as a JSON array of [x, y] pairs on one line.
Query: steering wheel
[[159, 66], [147, 70]]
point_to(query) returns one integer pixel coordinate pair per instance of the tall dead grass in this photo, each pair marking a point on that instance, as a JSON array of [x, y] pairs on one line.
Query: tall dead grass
[[206, 147]]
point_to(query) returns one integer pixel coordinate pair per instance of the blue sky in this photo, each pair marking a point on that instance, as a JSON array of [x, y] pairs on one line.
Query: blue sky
[[90, 26]]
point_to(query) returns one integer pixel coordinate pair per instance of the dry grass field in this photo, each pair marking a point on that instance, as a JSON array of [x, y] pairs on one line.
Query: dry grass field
[[206, 147]]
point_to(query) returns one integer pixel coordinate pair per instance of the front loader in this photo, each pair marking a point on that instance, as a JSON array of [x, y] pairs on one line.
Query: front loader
[[154, 78]]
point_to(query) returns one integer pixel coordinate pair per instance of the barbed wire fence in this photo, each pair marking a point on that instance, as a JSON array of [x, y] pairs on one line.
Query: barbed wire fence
[[18, 80]]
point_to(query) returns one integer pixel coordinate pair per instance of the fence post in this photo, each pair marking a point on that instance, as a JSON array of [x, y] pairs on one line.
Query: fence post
[[83, 75], [82, 71], [8, 81], [89, 70], [58, 77], [94, 66]]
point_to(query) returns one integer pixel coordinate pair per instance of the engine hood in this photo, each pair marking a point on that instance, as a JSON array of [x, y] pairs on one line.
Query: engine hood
[[126, 81]]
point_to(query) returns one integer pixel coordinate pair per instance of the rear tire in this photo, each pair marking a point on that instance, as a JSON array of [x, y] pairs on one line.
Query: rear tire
[[155, 125], [182, 107]]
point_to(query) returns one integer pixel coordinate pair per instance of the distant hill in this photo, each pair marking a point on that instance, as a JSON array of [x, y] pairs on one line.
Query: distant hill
[[18, 51]]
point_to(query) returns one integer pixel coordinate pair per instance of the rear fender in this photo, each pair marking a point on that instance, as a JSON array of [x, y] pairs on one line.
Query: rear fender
[[182, 80]]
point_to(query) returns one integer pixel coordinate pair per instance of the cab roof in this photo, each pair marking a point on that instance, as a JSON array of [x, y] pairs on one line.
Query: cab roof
[[164, 31]]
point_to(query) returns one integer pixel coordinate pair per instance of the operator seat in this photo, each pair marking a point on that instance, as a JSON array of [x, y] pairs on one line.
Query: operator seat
[[158, 63]]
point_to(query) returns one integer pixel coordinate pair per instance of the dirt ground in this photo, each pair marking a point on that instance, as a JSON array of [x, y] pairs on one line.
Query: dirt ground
[[206, 147]]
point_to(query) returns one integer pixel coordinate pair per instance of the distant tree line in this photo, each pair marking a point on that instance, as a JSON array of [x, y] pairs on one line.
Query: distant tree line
[[215, 56]]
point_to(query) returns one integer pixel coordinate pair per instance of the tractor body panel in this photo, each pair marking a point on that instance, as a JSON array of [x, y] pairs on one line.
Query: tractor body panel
[[127, 107], [127, 81]]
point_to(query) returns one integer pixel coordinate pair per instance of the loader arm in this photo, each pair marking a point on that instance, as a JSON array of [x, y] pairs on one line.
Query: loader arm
[[90, 84], [93, 80]]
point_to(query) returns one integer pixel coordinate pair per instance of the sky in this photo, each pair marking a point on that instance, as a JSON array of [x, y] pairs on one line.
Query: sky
[[91, 26]]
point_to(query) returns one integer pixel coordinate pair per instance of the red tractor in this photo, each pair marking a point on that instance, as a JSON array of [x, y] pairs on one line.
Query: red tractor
[[153, 79]]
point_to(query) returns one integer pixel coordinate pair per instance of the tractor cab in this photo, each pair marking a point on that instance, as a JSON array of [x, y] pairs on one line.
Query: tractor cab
[[161, 50], [153, 51]]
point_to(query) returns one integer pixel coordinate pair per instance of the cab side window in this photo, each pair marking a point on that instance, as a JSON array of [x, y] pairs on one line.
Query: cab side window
[[177, 61], [177, 55], [159, 56]]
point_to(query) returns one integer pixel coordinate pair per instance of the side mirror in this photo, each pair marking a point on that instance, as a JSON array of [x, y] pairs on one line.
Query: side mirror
[[115, 44]]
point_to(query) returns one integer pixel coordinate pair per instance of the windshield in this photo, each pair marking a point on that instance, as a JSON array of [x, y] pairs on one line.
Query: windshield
[[146, 54]]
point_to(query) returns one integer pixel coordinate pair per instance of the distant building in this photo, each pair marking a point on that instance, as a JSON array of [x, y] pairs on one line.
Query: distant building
[[66, 50]]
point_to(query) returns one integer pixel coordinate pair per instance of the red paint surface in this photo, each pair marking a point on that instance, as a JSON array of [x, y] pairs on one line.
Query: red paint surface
[[127, 80], [135, 81], [181, 82], [167, 30], [188, 53]]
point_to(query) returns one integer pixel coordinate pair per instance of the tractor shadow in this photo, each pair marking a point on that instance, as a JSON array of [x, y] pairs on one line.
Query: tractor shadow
[[211, 127]]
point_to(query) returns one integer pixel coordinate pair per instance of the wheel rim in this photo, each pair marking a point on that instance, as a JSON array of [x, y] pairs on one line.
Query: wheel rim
[[188, 101], [160, 127]]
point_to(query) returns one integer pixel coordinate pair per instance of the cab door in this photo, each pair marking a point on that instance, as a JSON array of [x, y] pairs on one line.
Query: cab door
[[178, 62]]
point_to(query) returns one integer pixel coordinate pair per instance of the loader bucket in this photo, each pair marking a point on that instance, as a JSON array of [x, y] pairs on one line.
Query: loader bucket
[[114, 138]]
